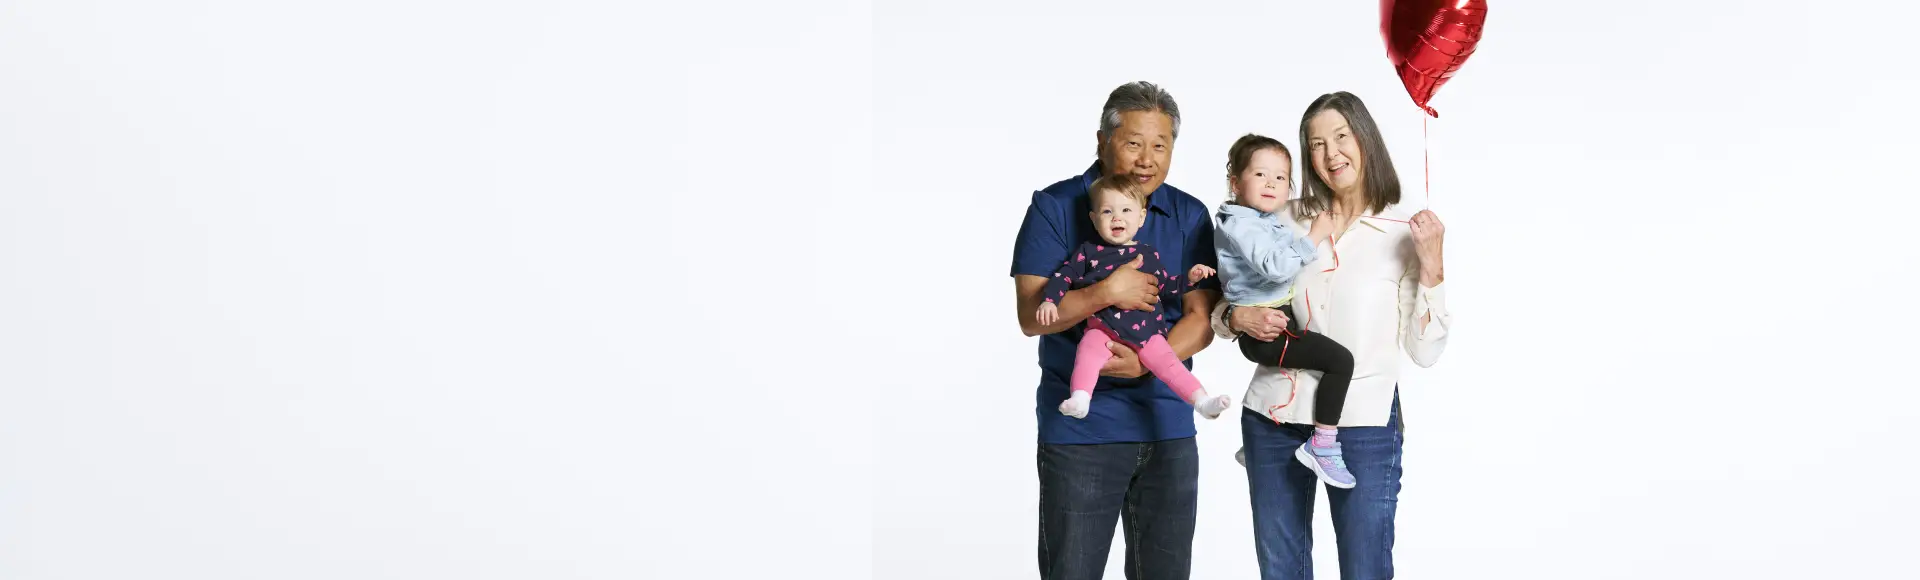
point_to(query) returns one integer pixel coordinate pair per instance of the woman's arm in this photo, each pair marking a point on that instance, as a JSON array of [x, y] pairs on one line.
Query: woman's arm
[[1256, 322], [1424, 319]]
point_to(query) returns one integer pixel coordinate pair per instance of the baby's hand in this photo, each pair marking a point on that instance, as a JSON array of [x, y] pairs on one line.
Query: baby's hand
[[1198, 273], [1048, 314]]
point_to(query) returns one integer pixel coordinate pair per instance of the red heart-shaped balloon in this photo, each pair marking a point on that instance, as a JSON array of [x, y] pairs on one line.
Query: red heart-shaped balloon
[[1427, 40]]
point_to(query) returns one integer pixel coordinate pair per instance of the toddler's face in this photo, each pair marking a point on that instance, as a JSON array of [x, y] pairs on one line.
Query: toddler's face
[[1266, 182], [1116, 217]]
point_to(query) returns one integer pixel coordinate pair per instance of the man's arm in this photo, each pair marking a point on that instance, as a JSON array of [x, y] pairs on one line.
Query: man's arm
[[1192, 333], [1074, 308]]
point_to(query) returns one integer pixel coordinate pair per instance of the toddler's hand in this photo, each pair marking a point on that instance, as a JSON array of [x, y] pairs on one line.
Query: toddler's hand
[[1198, 273], [1322, 226], [1048, 314]]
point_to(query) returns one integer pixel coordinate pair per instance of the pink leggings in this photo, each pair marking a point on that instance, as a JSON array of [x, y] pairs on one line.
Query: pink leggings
[[1156, 355]]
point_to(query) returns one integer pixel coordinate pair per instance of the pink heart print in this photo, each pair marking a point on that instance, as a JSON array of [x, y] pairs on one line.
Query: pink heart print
[[1096, 262]]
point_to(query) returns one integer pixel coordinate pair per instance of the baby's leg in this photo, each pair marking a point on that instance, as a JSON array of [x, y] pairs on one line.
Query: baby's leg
[[1092, 355], [1158, 356]]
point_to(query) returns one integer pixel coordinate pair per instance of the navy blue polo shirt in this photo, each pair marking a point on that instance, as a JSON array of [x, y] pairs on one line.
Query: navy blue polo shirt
[[1123, 410]]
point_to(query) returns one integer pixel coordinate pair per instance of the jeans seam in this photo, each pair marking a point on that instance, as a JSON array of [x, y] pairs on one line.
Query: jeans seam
[[1045, 554], [1133, 541], [1133, 514], [1386, 528]]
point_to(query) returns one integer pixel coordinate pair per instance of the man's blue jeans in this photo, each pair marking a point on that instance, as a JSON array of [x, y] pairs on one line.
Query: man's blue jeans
[[1283, 493], [1149, 487]]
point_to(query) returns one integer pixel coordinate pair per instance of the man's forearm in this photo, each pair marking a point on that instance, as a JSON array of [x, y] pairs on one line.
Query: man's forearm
[[1074, 308], [1194, 331]]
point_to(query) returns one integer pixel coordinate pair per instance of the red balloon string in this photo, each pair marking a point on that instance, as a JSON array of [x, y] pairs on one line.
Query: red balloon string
[[1370, 217], [1426, 163], [1293, 386], [1293, 383]]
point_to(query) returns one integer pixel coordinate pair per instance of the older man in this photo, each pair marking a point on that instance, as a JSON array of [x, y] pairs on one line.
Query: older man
[[1132, 458]]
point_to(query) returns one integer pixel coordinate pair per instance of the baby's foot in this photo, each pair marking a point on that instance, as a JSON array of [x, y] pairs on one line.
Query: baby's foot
[[1211, 407], [1076, 405]]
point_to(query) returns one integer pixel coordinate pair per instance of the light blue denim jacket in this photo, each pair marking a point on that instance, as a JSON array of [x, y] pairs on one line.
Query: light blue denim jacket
[[1260, 254]]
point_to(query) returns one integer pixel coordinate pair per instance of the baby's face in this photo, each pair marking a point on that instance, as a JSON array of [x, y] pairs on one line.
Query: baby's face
[[1116, 217]]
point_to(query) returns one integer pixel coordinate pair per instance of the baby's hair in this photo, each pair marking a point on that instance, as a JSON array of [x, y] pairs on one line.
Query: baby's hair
[[1241, 155], [1122, 184]]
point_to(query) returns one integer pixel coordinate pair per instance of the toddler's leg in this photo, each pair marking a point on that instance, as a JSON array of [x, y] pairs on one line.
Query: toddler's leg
[[1158, 356], [1087, 361], [1315, 351], [1262, 352]]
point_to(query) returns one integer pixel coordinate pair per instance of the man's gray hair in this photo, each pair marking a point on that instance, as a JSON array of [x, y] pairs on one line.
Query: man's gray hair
[[1137, 96]]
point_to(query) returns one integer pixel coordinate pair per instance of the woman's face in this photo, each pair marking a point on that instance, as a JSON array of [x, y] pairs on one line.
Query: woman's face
[[1334, 151], [1266, 182]]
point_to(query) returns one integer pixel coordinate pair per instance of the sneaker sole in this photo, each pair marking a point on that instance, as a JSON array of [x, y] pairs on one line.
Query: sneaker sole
[[1306, 459]]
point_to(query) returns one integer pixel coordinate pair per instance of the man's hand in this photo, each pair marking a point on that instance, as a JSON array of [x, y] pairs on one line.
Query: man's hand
[[1198, 273], [1125, 363], [1263, 324], [1130, 289]]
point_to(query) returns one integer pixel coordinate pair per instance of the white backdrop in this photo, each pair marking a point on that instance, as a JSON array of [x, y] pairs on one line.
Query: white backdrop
[[584, 289], [1675, 246], [423, 289]]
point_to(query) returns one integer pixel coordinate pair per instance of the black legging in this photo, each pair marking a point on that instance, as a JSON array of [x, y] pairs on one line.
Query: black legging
[[1311, 351]]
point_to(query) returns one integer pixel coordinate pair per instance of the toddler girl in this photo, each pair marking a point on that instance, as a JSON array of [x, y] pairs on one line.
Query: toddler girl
[[1260, 254]]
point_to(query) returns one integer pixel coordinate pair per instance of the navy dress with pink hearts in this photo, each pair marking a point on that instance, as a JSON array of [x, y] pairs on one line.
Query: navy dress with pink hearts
[[1092, 262]]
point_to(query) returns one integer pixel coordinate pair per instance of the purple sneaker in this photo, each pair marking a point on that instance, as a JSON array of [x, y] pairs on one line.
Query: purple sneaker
[[1327, 463]]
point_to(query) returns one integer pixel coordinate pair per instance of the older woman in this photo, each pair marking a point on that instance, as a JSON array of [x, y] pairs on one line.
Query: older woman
[[1377, 290]]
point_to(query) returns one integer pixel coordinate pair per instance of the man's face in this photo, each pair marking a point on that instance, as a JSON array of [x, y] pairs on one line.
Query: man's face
[[1141, 148]]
